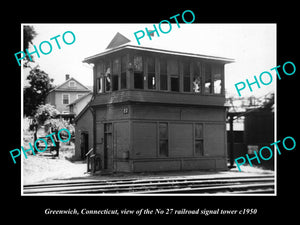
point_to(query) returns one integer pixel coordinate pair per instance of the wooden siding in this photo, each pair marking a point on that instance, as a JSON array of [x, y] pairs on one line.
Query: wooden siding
[[83, 125], [158, 97], [181, 140]]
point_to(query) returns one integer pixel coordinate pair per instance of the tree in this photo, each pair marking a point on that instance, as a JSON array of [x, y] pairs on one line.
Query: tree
[[43, 113], [35, 94], [28, 35], [46, 115]]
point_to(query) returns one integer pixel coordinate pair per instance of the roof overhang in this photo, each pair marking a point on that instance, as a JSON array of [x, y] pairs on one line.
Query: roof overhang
[[94, 58]]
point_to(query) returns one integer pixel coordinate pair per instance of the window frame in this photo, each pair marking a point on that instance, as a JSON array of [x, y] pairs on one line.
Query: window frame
[[107, 66], [138, 73], [163, 139], [218, 69], [199, 139], [151, 74], [163, 73], [186, 75], [115, 74], [124, 63], [62, 98], [73, 82], [208, 71]]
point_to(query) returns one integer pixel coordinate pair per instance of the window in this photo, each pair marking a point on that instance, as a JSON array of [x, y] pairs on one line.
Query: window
[[107, 76], [65, 99], [72, 84], [99, 84], [175, 84], [115, 74], [138, 72], [163, 139], [108, 128], [123, 72], [197, 79], [163, 75], [186, 77], [174, 74], [99, 77], [199, 139], [208, 80], [217, 79], [151, 73]]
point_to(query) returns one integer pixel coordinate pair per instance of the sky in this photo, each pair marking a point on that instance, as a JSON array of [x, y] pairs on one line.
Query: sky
[[252, 46]]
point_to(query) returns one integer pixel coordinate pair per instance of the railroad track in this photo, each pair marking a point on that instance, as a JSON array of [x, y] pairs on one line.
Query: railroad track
[[236, 185]]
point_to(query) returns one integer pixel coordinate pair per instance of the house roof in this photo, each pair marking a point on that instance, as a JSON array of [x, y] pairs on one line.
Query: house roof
[[81, 98], [84, 110], [59, 87], [120, 42]]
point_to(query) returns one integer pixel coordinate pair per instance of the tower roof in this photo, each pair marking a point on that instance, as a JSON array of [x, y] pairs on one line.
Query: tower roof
[[118, 40]]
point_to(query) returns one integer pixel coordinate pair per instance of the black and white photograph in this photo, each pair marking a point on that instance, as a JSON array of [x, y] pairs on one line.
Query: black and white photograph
[[155, 118], [177, 115]]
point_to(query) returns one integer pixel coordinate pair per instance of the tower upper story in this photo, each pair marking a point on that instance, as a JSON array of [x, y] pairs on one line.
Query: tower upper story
[[126, 72]]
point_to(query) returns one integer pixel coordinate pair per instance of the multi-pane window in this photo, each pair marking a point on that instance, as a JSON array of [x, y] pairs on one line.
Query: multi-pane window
[[115, 74], [208, 79], [99, 84], [138, 72], [107, 76], [99, 77], [186, 77], [173, 71], [72, 84], [163, 139], [217, 79], [197, 79], [163, 75], [193, 76], [123, 72], [151, 73], [199, 139], [65, 99]]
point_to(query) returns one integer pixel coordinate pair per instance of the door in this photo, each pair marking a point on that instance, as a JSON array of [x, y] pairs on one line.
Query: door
[[84, 144], [108, 147]]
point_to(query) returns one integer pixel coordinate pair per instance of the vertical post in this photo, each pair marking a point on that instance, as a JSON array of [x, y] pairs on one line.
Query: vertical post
[[231, 142], [95, 79]]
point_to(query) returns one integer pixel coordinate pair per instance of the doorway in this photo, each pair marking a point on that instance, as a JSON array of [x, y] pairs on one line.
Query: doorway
[[84, 144], [108, 150]]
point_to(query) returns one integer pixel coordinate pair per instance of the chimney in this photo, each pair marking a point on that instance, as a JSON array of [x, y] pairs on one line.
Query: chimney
[[67, 76]]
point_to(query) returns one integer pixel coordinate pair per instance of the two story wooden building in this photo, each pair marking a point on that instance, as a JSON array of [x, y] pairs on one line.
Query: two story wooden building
[[154, 110]]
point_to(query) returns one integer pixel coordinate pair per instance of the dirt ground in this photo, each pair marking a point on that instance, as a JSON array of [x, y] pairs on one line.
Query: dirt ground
[[45, 167]]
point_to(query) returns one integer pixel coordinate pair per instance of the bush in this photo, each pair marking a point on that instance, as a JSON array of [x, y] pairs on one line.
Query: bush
[[45, 112]]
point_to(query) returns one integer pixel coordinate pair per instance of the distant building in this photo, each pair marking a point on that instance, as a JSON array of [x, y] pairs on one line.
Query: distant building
[[257, 117], [64, 95], [154, 110], [259, 131], [77, 105]]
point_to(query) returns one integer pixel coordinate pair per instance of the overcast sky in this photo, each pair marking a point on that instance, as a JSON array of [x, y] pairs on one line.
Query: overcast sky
[[252, 46]]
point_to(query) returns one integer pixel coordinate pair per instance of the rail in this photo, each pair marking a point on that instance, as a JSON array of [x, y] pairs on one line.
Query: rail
[[182, 185]]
